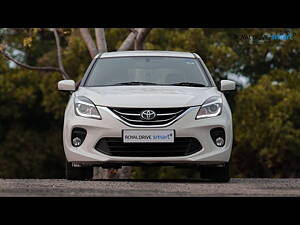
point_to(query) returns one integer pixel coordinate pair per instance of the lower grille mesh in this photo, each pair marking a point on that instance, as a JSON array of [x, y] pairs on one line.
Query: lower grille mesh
[[181, 147]]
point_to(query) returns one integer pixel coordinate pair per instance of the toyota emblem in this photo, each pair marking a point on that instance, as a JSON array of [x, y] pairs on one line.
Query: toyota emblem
[[148, 115]]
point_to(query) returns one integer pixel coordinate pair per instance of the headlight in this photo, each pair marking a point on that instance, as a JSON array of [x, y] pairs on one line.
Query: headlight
[[85, 107], [210, 108]]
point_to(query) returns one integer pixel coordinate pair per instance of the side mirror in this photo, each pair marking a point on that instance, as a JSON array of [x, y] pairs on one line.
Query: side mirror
[[228, 85], [66, 85]]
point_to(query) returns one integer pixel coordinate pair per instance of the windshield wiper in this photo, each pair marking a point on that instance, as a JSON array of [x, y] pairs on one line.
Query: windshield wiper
[[189, 84], [135, 83]]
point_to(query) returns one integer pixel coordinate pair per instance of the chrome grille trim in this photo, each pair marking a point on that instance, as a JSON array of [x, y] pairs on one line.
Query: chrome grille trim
[[148, 126], [127, 114], [158, 114], [148, 121], [134, 115], [169, 114]]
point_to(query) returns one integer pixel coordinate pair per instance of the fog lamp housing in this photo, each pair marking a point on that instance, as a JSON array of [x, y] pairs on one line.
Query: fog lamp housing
[[78, 136], [218, 136]]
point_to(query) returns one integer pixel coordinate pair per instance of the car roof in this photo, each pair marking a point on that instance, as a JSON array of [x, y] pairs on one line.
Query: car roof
[[145, 53]]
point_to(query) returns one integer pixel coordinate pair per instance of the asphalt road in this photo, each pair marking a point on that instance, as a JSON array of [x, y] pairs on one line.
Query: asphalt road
[[149, 188]]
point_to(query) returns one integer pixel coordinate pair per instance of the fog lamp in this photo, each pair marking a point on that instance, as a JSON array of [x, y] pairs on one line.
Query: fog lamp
[[220, 142], [76, 141]]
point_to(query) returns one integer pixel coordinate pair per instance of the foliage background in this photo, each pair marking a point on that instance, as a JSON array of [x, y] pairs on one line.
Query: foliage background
[[266, 112]]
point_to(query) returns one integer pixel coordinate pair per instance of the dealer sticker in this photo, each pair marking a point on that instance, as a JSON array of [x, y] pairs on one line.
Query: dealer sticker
[[148, 136]]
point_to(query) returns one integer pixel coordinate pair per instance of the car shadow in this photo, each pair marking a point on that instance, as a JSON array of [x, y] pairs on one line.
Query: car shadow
[[158, 180]]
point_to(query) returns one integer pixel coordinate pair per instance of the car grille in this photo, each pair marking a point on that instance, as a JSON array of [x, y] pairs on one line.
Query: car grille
[[182, 146], [163, 115]]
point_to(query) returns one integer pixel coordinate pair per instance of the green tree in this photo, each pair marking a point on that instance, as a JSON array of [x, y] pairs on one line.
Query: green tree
[[30, 136], [267, 127]]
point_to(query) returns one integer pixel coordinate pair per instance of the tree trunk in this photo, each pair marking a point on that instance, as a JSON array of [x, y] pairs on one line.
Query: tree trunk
[[129, 41], [140, 39], [100, 40], [59, 55], [124, 173], [86, 36]]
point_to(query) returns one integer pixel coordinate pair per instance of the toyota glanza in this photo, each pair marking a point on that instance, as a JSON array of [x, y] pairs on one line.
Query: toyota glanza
[[147, 108]]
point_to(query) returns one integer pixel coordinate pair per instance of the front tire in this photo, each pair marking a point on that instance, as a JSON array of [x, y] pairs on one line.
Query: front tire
[[78, 173], [216, 173]]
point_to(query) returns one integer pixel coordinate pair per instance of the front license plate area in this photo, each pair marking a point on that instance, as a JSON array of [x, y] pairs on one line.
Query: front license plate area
[[148, 136]]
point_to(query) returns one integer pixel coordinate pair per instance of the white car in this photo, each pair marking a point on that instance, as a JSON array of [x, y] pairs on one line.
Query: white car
[[147, 108]]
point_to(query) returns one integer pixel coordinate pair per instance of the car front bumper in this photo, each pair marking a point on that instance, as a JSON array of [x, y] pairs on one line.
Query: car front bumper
[[109, 126]]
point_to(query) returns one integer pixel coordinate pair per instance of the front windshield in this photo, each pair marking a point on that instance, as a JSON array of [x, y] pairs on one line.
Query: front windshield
[[151, 70]]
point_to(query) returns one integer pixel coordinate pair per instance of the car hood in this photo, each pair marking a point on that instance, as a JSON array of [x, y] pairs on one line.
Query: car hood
[[147, 96]]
